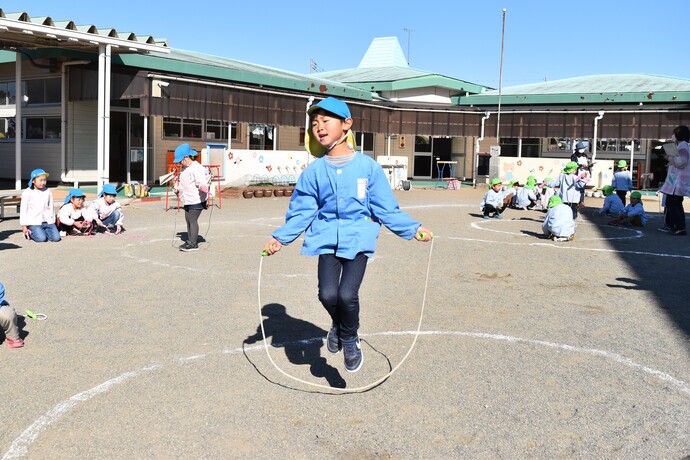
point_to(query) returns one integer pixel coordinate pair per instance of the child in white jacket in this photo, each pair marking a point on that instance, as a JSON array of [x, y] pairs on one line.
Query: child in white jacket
[[36, 213], [106, 212]]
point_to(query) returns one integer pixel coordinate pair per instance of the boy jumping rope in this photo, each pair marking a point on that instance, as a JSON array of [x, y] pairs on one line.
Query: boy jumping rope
[[340, 201]]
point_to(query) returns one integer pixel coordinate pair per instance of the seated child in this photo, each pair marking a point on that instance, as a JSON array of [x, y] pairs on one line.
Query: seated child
[[546, 194], [8, 321], [525, 197], [633, 214], [36, 214], [105, 211], [559, 223], [613, 205], [70, 219], [495, 200]]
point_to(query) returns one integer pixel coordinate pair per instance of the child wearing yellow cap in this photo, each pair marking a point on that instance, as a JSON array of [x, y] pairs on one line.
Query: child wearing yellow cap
[[340, 201], [633, 214], [613, 205]]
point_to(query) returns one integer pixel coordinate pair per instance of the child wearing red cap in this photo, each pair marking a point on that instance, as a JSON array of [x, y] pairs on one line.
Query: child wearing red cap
[[340, 201]]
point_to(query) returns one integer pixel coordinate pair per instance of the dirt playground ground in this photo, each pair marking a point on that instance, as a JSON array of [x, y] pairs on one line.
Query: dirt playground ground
[[527, 348]]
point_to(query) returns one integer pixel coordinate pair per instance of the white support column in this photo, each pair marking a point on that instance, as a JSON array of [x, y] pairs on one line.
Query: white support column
[[100, 150], [18, 123], [146, 148], [106, 115]]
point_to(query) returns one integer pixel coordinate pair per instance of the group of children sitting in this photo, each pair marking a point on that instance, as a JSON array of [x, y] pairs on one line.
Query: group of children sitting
[[562, 197], [39, 222]]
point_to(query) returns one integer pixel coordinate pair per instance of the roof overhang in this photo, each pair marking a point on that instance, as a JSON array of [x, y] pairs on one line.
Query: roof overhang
[[21, 33]]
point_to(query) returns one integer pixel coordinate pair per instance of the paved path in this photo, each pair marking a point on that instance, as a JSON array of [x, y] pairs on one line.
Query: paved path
[[528, 348]]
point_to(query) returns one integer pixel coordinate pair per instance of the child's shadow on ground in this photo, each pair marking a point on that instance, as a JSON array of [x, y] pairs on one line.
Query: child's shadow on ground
[[302, 342], [183, 236], [6, 234]]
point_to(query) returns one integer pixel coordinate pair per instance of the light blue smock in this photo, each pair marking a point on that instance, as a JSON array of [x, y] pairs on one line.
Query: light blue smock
[[559, 221], [341, 208], [569, 187]]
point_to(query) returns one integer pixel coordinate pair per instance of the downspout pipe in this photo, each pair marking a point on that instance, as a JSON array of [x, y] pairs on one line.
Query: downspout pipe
[[596, 131], [63, 122], [476, 150]]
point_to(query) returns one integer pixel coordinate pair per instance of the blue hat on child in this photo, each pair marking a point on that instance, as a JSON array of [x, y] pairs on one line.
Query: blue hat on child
[[108, 189], [337, 108], [35, 173], [182, 151], [2, 295], [74, 193]]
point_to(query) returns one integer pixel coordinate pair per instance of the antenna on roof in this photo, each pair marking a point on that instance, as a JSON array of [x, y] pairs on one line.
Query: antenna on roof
[[313, 67], [409, 31]]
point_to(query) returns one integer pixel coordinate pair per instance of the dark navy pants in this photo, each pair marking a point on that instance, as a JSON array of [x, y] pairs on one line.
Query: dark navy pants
[[339, 282]]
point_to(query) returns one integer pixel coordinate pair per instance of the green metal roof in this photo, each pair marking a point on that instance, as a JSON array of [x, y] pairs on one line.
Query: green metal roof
[[384, 68], [592, 89]]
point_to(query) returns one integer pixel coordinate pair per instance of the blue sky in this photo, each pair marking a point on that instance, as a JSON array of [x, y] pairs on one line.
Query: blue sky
[[544, 39]]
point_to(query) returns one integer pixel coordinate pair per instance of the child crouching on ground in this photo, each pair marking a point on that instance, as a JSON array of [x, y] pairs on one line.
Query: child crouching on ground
[[524, 197], [36, 214], [106, 211], [633, 214], [70, 219], [8, 321], [559, 224], [613, 205], [495, 200]]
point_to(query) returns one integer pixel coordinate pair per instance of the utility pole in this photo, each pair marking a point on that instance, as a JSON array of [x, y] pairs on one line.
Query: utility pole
[[500, 81]]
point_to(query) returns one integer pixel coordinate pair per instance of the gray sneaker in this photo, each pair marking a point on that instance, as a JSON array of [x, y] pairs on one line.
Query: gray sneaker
[[333, 341], [353, 354], [189, 247]]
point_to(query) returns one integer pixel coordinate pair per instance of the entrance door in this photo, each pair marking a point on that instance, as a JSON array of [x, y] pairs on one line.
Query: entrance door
[[118, 147]]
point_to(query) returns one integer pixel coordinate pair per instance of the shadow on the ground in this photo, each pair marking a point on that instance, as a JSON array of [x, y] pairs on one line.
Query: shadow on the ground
[[289, 334]]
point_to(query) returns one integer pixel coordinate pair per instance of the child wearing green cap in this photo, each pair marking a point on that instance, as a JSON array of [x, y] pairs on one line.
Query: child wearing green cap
[[570, 186], [546, 194], [36, 213], [613, 205], [633, 214], [495, 199], [622, 180], [340, 201], [559, 224]]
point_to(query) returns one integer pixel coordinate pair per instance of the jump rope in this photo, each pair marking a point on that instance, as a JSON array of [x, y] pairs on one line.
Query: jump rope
[[346, 390]]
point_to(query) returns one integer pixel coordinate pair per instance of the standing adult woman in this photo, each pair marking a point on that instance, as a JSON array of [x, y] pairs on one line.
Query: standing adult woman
[[677, 184]]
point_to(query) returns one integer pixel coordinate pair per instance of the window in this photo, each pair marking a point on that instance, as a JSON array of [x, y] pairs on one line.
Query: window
[[422, 144], [38, 128], [218, 130], [260, 137], [368, 145], [43, 91], [192, 128], [7, 130], [8, 93], [301, 136]]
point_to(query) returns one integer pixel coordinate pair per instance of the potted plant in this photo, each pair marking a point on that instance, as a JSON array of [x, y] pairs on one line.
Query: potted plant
[[258, 193], [268, 193], [247, 193], [279, 192]]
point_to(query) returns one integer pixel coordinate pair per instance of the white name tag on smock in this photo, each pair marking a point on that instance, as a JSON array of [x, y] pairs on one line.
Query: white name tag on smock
[[362, 188]]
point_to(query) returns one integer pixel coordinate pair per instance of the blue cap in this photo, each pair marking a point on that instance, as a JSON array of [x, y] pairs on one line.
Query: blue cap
[[182, 151], [580, 145], [35, 173], [108, 189], [2, 295], [333, 105], [74, 193]]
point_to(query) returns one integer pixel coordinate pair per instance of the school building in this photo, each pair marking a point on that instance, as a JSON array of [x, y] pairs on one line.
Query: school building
[[93, 105]]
